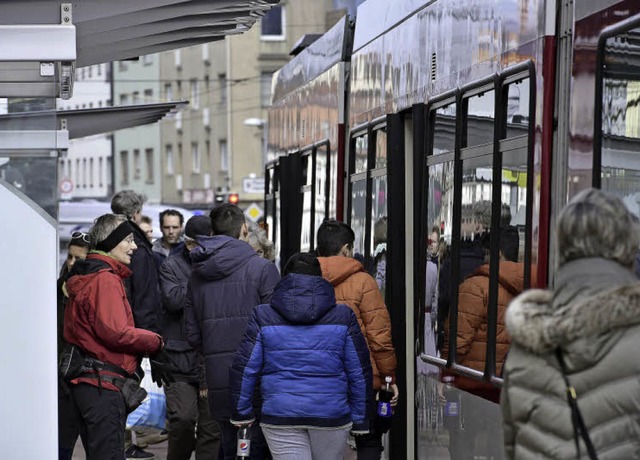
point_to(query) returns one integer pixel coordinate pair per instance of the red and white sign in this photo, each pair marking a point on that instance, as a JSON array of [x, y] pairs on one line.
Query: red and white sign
[[66, 186]]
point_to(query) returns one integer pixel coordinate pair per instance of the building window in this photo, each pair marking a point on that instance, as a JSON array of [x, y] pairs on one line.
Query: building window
[[124, 99], [147, 59], [99, 69], [148, 95], [195, 96], [136, 97], [265, 88], [84, 173], [77, 173], [91, 174], [100, 172], [179, 162], [148, 155], [123, 66], [137, 164], [224, 156], [124, 167], [222, 87], [273, 24], [169, 154], [196, 159], [168, 92]]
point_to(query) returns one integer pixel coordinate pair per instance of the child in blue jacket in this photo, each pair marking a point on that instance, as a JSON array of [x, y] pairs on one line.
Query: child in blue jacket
[[311, 363]]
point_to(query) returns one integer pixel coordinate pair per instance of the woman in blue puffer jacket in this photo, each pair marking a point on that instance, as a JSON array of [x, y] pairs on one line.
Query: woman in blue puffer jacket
[[312, 365]]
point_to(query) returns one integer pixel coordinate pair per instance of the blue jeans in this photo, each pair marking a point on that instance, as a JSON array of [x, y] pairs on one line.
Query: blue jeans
[[288, 443]]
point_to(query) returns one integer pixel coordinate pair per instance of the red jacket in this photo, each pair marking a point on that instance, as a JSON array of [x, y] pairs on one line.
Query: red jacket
[[357, 289], [98, 317]]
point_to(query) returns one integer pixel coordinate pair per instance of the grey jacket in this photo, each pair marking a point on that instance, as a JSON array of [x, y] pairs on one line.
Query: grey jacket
[[594, 317]]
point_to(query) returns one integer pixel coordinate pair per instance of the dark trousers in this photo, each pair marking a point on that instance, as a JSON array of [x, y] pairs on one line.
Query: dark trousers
[[102, 420], [259, 447], [190, 424], [68, 422], [369, 446]]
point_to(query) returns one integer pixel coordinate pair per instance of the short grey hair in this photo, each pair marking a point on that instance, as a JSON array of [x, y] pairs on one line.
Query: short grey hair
[[103, 226], [127, 202], [597, 224]]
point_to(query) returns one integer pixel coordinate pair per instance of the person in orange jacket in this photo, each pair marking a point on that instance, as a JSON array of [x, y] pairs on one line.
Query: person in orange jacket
[[356, 288]]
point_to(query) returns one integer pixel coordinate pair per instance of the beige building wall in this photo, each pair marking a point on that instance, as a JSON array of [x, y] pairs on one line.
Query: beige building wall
[[216, 145]]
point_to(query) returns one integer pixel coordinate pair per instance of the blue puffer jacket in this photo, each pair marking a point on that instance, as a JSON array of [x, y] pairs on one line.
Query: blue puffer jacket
[[228, 281], [308, 356]]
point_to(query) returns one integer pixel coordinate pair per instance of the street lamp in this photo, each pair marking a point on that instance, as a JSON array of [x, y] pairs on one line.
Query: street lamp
[[264, 126]]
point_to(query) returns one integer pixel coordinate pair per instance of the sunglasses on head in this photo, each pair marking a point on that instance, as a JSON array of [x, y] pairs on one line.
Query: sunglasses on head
[[80, 235]]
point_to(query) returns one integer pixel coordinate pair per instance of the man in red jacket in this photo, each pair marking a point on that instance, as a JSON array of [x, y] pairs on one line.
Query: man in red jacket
[[98, 320]]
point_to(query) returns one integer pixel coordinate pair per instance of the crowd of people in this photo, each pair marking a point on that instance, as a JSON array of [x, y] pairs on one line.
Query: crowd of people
[[296, 360]]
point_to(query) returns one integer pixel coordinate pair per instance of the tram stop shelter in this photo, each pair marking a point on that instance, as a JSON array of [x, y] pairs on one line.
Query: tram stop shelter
[[43, 42]]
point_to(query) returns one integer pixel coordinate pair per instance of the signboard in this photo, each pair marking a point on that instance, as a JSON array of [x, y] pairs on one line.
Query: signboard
[[253, 212], [66, 187], [253, 185]]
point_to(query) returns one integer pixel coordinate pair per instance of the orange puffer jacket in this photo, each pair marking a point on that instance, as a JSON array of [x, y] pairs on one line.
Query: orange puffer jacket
[[359, 290], [473, 301]]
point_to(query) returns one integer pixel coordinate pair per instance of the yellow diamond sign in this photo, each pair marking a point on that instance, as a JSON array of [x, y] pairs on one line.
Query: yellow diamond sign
[[253, 212]]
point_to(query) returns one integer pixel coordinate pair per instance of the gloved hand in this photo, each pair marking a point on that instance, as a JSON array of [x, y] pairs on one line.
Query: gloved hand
[[162, 368]]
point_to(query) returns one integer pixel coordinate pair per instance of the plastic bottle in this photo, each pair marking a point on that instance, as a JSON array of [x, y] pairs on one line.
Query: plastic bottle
[[244, 442], [452, 406], [384, 399]]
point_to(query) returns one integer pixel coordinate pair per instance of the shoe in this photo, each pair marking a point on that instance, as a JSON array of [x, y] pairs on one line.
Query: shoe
[[134, 452]]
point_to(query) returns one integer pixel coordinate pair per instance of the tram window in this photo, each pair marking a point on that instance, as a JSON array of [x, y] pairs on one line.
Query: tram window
[[321, 186], [438, 270], [480, 119], [358, 214], [333, 181], [379, 234], [444, 129], [361, 154], [381, 149], [307, 199], [517, 108], [620, 157], [307, 169]]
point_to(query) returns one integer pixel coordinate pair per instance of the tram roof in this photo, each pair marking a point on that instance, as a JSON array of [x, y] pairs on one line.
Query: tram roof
[[122, 29]]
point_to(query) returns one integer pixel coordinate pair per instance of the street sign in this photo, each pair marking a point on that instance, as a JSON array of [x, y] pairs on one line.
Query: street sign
[[66, 186], [253, 212], [253, 185]]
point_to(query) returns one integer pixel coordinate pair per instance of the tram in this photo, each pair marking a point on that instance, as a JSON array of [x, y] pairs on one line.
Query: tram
[[423, 124]]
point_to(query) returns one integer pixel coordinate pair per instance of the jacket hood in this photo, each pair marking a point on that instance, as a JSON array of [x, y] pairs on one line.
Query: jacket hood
[[84, 271], [217, 257], [583, 322], [510, 276], [337, 269], [303, 299]]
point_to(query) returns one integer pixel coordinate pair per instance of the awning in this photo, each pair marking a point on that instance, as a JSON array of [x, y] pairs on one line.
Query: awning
[[87, 122]]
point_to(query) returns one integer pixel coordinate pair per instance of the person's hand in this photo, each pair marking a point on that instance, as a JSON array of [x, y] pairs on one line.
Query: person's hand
[[241, 423], [396, 395], [162, 368], [203, 392]]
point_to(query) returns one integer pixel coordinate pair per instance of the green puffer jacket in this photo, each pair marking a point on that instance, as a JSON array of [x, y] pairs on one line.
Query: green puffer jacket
[[594, 317]]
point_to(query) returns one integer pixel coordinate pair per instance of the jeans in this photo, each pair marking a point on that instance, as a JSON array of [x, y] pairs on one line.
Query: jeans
[[306, 443], [190, 424], [259, 448]]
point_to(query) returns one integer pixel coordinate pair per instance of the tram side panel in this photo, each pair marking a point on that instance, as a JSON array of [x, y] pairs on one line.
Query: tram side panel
[[28, 388]]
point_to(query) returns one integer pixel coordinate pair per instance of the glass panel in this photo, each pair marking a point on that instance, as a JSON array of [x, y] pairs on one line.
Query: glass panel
[[358, 214], [444, 129], [320, 187], [361, 154], [621, 120], [518, 108], [379, 234], [333, 183], [381, 148], [480, 119], [307, 169], [277, 232], [305, 237]]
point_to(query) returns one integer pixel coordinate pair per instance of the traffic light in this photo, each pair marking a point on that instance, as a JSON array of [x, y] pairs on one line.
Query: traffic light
[[234, 198]]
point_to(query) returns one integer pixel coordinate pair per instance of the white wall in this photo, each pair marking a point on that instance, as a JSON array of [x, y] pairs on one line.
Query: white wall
[[28, 387]]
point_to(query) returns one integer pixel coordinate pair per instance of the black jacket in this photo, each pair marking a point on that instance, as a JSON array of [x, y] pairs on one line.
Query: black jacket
[[174, 275], [143, 290]]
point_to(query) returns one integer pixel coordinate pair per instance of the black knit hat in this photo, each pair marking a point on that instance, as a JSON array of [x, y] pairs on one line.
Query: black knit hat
[[198, 226], [303, 263]]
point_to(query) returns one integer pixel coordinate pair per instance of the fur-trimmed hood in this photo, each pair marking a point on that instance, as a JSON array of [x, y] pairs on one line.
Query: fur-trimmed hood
[[578, 316]]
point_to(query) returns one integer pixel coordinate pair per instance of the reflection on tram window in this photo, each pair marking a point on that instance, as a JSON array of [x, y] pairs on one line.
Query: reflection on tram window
[[379, 256], [378, 214], [381, 149], [305, 236], [358, 214], [361, 154], [480, 119], [620, 158], [35, 177], [333, 181], [518, 108], [321, 187], [444, 129]]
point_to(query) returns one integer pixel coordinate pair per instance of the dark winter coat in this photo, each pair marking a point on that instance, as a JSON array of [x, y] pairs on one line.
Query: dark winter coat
[[159, 252], [308, 357], [228, 281], [98, 318], [174, 278], [593, 316], [143, 289]]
